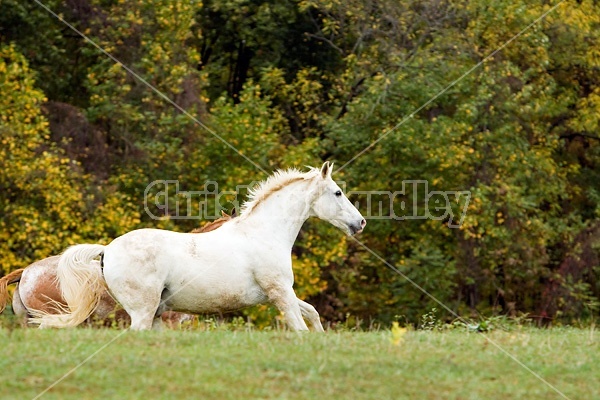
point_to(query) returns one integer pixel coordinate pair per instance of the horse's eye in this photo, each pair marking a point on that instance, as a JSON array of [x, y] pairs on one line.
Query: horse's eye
[[338, 193]]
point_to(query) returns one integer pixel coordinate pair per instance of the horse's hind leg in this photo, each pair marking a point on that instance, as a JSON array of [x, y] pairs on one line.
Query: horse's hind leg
[[144, 320], [309, 313], [19, 308], [140, 299], [157, 323]]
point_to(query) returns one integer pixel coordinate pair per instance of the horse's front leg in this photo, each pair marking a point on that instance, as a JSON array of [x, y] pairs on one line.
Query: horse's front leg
[[309, 312], [287, 303]]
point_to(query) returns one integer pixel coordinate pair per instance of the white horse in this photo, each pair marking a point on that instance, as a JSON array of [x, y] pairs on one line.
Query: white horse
[[245, 262]]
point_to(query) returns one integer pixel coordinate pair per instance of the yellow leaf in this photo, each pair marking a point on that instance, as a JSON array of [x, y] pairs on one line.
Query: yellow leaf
[[397, 334]]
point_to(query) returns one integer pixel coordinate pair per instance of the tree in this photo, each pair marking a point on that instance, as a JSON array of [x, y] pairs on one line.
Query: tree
[[45, 198]]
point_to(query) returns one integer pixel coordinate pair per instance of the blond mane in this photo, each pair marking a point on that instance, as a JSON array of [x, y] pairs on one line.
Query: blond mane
[[275, 182]]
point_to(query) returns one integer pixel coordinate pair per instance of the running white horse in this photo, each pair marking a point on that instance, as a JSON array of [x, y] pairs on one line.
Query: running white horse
[[245, 262]]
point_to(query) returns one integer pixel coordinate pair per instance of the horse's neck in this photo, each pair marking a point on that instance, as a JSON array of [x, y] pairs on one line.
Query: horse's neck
[[282, 214]]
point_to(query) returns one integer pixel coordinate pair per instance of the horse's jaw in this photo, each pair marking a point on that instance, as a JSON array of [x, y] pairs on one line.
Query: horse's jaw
[[348, 229]]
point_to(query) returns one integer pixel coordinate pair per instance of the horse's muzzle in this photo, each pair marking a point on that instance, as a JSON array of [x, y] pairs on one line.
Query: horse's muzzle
[[358, 228]]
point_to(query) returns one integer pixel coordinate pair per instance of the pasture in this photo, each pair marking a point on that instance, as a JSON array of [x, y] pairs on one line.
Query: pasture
[[240, 363]]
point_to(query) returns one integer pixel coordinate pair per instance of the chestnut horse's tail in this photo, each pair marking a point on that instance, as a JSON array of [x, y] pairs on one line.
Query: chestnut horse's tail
[[6, 280], [81, 284]]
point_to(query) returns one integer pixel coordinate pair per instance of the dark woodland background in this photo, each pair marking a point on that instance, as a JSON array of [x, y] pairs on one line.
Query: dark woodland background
[[294, 83]]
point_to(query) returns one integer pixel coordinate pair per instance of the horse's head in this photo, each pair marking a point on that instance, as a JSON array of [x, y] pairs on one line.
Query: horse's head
[[332, 205]]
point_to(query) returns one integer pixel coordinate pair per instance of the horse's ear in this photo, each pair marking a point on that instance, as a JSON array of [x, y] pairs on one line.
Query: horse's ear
[[224, 214], [326, 169], [233, 213]]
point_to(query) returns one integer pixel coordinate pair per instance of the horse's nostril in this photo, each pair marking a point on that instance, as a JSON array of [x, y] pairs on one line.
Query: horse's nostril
[[363, 223]]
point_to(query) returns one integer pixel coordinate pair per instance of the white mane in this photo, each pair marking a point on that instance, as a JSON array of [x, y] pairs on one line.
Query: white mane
[[273, 183]]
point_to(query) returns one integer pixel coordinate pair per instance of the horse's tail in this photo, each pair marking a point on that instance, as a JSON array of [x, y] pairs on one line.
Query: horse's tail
[[6, 280], [81, 284]]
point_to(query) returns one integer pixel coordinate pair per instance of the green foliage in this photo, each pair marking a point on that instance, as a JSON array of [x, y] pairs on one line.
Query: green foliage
[[295, 83], [39, 192], [45, 199], [497, 133], [55, 54]]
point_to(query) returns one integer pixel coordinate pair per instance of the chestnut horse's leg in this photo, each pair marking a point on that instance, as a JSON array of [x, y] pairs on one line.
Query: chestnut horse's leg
[[19, 308]]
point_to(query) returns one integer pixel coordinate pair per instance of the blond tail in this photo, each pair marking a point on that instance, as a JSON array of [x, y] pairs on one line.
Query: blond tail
[[81, 284], [6, 280]]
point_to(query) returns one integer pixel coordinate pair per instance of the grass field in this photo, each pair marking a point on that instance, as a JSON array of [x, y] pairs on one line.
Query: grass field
[[242, 364]]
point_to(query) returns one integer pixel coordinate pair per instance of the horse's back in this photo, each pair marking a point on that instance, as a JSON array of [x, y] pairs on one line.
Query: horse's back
[[157, 247], [143, 248]]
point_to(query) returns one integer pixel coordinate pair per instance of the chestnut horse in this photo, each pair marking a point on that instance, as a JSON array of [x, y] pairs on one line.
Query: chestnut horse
[[37, 284]]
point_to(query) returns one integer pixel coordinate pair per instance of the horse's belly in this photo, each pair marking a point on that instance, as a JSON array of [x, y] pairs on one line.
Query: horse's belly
[[210, 297]]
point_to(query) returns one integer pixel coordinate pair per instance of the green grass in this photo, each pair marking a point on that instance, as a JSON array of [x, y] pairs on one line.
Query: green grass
[[283, 365]]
